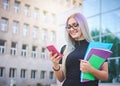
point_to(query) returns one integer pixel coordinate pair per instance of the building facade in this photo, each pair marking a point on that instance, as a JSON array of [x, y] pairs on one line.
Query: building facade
[[26, 27]]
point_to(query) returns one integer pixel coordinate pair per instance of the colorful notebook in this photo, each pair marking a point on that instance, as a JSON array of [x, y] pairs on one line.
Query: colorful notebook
[[96, 62], [103, 53], [96, 58], [98, 45], [92, 46]]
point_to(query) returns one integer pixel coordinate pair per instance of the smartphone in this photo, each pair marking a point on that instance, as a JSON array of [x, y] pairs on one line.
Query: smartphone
[[53, 50]]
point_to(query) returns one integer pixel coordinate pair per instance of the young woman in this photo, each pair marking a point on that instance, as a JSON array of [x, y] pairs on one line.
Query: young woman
[[69, 70]]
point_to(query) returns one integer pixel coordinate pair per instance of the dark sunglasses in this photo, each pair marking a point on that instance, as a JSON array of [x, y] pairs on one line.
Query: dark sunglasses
[[74, 26]]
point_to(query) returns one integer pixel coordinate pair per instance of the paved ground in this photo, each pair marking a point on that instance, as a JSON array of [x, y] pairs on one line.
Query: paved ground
[[101, 84], [110, 84]]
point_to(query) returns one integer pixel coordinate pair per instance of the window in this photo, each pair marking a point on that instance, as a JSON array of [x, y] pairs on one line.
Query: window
[[51, 75], [42, 75], [1, 71], [27, 10], [52, 36], [12, 72], [5, 4], [24, 50], [36, 12], [16, 6], [2, 46], [52, 18], [23, 73], [34, 51], [33, 72], [13, 48], [25, 29], [44, 15], [74, 2], [4, 24], [43, 54], [60, 1], [15, 27], [35, 32], [44, 34]]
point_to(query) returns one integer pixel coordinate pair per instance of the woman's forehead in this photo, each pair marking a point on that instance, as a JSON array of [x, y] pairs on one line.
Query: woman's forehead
[[71, 20]]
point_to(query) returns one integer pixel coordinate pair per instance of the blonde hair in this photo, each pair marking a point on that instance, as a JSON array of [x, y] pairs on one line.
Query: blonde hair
[[70, 41]]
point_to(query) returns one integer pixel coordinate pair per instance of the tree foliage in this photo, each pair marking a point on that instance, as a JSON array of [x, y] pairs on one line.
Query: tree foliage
[[109, 37]]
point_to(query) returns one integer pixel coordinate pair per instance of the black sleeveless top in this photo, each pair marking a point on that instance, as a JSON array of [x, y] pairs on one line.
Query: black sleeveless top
[[73, 72]]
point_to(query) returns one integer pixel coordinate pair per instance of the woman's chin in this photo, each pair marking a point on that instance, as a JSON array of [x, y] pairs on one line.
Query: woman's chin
[[76, 38]]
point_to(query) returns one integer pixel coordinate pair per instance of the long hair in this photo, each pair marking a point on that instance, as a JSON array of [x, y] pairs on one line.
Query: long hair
[[70, 41]]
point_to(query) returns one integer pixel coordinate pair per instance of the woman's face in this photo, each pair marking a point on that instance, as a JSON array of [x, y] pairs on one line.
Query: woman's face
[[74, 30]]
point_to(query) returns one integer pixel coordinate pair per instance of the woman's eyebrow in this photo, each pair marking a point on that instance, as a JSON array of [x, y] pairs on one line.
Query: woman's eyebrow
[[73, 23]]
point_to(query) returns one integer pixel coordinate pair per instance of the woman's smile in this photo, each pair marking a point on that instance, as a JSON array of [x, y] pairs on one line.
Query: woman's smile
[[74, 32]]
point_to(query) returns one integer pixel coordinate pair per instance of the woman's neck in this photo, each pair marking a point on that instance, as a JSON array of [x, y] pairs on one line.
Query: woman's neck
[[79, 39]]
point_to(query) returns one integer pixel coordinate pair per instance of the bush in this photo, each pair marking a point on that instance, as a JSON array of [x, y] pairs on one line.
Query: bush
[[39, 84]]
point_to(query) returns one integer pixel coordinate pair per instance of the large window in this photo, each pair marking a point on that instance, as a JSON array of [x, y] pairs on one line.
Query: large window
[[33, 74], [2, 71], [34, 51], [36, 13], [42, 75], [26, 30], [52, 36], [43, 54], [27, 10], [12, 72], [4, 24], [16, 6], [13, 48], [44, 16], [52, 18], [2, 46], [15, 27], [51, 75], [44, 34], [23, 73], [6, 4], [35, 32], [103, 18], [24, 50]]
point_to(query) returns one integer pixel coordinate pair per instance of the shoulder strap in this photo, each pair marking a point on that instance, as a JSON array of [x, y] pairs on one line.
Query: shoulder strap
[[63, 49]]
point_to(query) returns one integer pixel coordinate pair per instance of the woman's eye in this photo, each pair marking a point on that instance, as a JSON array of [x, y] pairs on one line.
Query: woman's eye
[[68, 27], [75, 24]]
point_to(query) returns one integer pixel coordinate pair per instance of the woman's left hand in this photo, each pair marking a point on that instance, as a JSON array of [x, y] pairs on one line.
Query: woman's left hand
[[85, 66]]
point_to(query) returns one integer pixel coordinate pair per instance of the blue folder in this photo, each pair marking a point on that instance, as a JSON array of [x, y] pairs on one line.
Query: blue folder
[[98, 45]]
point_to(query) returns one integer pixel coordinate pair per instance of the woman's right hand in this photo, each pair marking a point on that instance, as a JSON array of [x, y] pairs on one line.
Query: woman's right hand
[[55, 59]]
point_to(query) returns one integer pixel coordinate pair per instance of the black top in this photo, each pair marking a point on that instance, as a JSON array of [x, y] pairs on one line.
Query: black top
[[73, 72]]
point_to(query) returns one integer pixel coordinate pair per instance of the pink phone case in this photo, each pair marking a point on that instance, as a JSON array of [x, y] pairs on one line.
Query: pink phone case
[[53, 50]]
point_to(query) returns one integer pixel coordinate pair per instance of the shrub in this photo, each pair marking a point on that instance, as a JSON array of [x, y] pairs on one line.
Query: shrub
[[39, 84]]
